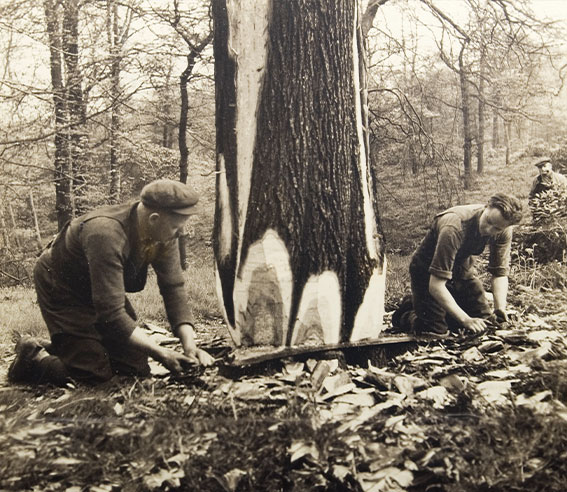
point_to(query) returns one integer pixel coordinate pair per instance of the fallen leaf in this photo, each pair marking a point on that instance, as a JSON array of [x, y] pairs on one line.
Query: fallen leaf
[[64, 461], [491, 346], [338, 384], [453, 382], [300, 449], [188, 400], [358, 399], [233, 478], [321, 370], [495, 391], [118, 431], [341, 471], [169, 477], [437, 394], [408, 384], [472, 355], [294, 368]]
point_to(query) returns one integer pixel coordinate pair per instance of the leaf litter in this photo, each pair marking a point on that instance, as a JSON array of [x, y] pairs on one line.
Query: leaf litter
[[478, 413]]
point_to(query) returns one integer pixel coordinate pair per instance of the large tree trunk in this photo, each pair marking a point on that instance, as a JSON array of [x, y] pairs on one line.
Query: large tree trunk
[[298, 254]]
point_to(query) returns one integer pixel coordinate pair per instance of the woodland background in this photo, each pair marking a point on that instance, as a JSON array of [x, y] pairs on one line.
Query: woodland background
[[99, 98]]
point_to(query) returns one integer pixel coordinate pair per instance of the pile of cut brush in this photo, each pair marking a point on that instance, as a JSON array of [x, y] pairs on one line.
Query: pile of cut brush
[[465, 414]]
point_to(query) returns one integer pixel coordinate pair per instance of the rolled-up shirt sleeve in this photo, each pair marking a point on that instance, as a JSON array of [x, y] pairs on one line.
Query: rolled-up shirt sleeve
[[449, 240], [103, 242], [499, 253], [172, 286]]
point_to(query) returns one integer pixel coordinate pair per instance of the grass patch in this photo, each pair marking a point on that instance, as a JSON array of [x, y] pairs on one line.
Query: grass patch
[[201, 289], [19, 313]]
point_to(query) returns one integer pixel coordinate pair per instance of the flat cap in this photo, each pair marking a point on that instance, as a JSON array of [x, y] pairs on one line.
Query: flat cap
[[169, 195], [542, 161]]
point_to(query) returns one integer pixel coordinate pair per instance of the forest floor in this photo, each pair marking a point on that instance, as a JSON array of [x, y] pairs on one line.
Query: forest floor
[[485, 413]]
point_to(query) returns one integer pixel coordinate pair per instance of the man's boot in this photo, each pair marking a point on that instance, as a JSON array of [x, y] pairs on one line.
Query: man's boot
[[29, 351]]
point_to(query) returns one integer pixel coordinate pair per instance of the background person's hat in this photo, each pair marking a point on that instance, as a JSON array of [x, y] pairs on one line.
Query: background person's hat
[[169, 195], [542, 161]]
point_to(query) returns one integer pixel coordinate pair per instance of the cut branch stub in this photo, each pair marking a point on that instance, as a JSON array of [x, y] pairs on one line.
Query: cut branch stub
[[299, 256]]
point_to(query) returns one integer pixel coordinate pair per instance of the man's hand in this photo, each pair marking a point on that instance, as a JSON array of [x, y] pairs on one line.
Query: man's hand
[[199, 356], [501, 316], [475, 325], [176, 362]]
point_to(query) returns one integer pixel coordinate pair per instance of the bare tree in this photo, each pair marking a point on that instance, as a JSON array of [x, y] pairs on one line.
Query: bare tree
[[63, 168], [118, 30]]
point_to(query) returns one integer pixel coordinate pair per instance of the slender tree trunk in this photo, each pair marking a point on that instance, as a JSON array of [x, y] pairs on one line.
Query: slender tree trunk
[[495, 130], [115, 59], [35, 221], [75, 105], [507, 138], [194, 52], [467, 132], [496, 121], [62, 176], [299, 256], [481, 114], [5, 234], [14, 225]]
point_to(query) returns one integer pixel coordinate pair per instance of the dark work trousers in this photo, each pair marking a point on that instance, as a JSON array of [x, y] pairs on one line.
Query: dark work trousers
[[428, 315], [76, 341]]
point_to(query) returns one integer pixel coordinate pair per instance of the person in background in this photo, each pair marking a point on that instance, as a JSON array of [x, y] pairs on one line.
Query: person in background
[[81, 281], [445, 290], [547, 179]]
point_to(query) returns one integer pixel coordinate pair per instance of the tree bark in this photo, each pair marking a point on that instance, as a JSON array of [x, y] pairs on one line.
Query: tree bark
[[481, 114], [299, 256], [77, 135], [5, 233], [467, 133], [495, 130], [115, 62], [194, 52], [507, 138], [35, 221], [62, 175]]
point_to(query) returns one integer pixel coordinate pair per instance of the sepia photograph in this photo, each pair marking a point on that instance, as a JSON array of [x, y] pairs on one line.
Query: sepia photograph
[[283, 245]]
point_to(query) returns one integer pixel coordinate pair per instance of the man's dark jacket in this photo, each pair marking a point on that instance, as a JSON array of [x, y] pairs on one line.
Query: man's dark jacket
[[97, 258]]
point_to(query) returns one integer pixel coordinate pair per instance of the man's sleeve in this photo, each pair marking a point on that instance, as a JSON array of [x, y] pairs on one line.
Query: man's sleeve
[[534, 188], [499, 253], [103, 241], [448, 243], [172, 286]]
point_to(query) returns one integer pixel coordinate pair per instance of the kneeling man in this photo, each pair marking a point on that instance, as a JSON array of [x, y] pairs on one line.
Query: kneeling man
[[81, 282], [445, 291]]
